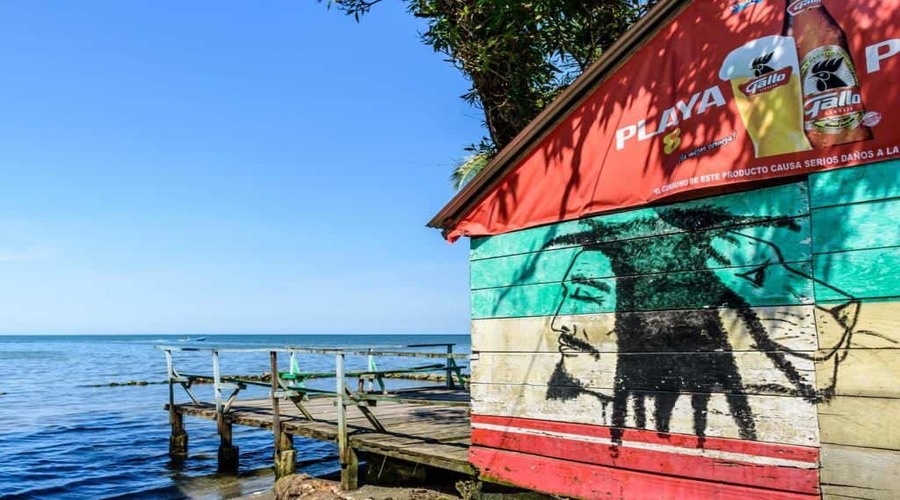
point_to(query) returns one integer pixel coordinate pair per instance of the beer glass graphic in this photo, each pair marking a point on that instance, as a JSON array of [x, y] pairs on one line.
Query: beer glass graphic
[[765, 77]]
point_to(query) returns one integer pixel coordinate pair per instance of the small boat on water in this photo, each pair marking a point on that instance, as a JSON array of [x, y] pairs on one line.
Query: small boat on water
[[189, 339]]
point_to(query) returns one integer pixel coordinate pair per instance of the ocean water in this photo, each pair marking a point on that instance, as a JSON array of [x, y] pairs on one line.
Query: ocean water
[[66, 433]]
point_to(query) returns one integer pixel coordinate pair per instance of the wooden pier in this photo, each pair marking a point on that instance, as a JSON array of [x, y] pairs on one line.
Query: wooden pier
[[426, 425]]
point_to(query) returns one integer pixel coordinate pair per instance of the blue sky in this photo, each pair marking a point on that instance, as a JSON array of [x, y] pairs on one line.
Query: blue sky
[[226, 167]]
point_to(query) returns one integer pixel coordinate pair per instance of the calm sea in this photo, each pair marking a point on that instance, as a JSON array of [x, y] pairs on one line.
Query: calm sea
[[65, 433]]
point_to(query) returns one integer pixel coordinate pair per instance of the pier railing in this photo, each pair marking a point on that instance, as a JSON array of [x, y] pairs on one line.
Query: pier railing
[[291, 385]]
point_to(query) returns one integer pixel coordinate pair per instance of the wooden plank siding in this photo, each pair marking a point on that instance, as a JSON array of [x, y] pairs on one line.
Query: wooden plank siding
[[550, 265], [790, 200], [878, 181], [590, 481], [793, 327], [765, 318], [861, 274], [777, 419], [721, 460], [856, 254], [598, 296], [873, 473], [598, 376]]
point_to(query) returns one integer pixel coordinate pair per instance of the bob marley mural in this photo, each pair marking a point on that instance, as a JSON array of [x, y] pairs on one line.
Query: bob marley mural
[[710, 266]]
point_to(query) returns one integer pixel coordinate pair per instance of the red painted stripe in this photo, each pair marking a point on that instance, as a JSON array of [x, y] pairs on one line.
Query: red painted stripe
[[697, 467], [578, 480], [773, 450]]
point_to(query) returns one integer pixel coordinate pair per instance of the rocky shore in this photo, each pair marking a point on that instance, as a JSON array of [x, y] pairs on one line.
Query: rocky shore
[[302, 486]]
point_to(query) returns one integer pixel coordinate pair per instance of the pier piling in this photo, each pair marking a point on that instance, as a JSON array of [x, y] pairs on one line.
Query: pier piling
[[178, 440], [285, 454], [347, 455], [228, 452]]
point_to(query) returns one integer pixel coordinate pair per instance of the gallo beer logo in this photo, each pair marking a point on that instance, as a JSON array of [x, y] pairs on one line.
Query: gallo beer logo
[[766, 82], [801, 5], [833, 104]]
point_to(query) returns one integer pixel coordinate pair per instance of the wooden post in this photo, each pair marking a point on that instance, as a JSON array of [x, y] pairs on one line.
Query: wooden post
[[217, 388], [285, 455], [450, 382], [372, 367], [178, 440], [228, 453], [348, 458]]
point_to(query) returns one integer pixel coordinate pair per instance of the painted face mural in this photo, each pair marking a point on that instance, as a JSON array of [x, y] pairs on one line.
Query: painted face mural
[[680, 303]]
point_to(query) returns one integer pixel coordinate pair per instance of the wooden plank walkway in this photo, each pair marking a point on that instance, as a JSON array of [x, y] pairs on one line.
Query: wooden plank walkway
[[434, 434]]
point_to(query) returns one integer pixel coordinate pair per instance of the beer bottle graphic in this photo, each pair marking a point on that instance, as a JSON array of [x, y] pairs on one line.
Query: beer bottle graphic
[[832, 104]]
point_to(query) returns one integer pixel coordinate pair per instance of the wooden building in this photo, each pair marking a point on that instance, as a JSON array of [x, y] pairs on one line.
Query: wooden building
[[684, 271]]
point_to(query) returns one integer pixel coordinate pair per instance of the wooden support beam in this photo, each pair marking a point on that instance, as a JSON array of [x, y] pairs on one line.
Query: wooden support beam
[[348, 458], [298, 402], [285, 454]]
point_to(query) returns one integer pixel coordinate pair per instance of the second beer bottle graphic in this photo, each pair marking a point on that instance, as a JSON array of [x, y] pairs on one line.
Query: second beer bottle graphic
[[832, 104]]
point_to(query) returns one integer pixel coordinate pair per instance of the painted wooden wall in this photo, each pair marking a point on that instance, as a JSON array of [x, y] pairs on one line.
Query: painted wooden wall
[[738, 346]]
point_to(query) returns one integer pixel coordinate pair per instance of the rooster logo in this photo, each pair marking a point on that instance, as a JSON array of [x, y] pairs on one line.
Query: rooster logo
[[824, 74], [761, 65]]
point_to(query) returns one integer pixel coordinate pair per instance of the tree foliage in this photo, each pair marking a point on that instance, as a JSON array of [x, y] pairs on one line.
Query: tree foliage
[[518, 55], [479, 157]]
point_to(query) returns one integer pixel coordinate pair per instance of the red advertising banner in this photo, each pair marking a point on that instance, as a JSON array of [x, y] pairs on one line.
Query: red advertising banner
[[729, 91]]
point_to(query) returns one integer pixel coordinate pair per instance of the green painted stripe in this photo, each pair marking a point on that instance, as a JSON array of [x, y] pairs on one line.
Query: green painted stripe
[[524, 269], [856, 227], [777, 202], [852, 185], [859, 274], [734, 247], [772, 285]]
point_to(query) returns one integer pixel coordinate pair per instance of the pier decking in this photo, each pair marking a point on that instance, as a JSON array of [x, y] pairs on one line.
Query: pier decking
[[424, 425]]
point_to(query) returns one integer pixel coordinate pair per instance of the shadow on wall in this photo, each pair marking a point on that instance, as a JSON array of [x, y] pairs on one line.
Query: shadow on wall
[[688, 351]]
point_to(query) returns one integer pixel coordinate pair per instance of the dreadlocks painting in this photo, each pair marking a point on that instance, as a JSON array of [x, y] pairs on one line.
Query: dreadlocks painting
[[665, 354]]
